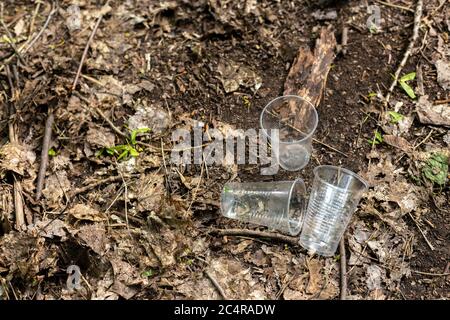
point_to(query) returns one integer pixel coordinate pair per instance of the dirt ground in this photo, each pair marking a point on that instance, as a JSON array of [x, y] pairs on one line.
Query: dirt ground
[[139, 227]]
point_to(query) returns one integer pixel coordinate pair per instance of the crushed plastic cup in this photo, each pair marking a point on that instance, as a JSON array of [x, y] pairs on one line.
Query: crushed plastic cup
[[334, 197], [296, 120], [278, 205]]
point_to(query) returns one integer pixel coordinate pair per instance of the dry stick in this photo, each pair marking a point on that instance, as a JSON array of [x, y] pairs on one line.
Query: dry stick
[[387, 4], [44, 153], [86, 49], [256, 234], [445, 274], [11, 39], [343, 260], [344, 40], [421, 232], [32, 42], [415, 35], [216, 285], [441, 101], [94, 185], [18, 199], [33, 18], [126, 197]]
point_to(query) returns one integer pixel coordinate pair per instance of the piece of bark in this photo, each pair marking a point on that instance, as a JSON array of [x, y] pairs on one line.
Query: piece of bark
[[308, 75], [309, 71], [432, 114]]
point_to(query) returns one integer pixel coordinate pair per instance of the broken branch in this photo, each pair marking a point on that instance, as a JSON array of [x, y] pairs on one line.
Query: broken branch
[[256, 234], [86, 49], [413, 39]]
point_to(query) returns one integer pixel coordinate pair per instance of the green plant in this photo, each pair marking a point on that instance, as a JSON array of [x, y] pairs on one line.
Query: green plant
[[148, 273], [395, 116], [51, 152], [123, 151], [403, 83], [436, 168], [135, 132], [377, 138]]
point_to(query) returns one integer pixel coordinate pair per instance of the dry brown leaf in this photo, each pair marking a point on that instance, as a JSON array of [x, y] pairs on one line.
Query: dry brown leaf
[[15, 157], [234, 75], [433, 114], [148, 191], [56, 185], [398, 142], [443, 73], [93, 236], [125, 277], [235, 279], [86, 213], [52, 228], [315, 277], [100, 137]]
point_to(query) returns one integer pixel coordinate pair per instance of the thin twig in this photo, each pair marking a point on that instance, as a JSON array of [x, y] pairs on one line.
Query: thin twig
[[343, 260], [387, 4], [408, 52], [10, 37], [424, 140], [125, 196], [256, 234], [33, 18], [216, 285], [32, 42], [421, 232], [437, 102], [431, 274], [44, 153], [18, 198], [86, 49], [100, 112], [94, 185]]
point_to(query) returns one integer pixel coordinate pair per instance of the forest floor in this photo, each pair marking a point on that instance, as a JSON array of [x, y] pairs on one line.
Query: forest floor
[[140, 227]]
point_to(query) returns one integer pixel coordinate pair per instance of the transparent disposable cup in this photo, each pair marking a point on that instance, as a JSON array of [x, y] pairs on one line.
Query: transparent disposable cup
[[278, 205], [334, 197], [296, 120]]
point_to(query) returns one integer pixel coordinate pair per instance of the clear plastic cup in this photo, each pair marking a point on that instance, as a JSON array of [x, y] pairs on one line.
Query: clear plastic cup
[[296, 120], [278, 205], [334, 197]]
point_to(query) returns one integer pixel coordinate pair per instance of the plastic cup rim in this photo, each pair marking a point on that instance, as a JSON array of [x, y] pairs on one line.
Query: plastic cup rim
[[346, 171], [309, 135], [302, 215]]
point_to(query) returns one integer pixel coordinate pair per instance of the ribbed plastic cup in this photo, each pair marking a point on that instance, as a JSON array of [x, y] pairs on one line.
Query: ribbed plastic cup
[[334, 197], [296, 120], [277, 205]]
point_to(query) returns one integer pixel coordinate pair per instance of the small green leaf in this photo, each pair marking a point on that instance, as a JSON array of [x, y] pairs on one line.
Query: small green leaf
[[408, 89], [395, 116], [226, 189], [133, 152], [124, 154], [372, 94], [378, 138], [148, 273], [134, 134], [408, 77], [51, 152]]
